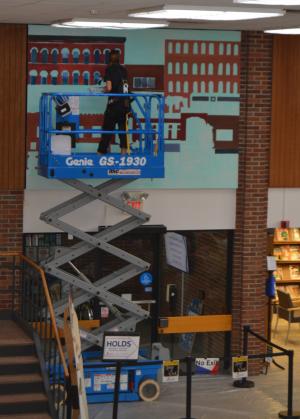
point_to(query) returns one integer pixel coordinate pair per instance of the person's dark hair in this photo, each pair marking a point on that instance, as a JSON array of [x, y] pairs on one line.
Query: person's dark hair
[[114, 56]]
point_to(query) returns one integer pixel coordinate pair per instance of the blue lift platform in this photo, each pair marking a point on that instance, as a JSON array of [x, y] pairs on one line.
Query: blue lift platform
[[144, 159]]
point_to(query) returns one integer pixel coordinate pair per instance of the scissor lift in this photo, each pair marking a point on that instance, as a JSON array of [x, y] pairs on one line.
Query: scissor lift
[[145, 159]]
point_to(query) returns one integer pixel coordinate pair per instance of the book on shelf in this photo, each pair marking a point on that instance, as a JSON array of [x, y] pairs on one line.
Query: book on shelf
[[295, 233], [277, 252], [287, 253], [287, 235], [278, 274], [294, 253], [294, 272], [282, 234], [281, 253]]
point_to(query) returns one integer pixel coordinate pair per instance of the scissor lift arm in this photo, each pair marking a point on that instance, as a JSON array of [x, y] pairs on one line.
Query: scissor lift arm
[[125, 314]]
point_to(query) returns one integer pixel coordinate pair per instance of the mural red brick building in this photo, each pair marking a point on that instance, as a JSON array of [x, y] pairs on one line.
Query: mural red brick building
[[54, 61], [201, 67]]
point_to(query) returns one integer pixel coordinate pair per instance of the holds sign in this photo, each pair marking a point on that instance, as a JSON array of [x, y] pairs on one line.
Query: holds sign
[[121, 347]]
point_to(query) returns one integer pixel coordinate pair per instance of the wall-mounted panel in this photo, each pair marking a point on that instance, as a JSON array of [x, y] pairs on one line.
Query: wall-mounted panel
[[13, 68], [285, 148]]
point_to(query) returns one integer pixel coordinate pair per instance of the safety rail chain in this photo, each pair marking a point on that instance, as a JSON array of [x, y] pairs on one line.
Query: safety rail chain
[[244, 382], [31, 304], [289, 413]]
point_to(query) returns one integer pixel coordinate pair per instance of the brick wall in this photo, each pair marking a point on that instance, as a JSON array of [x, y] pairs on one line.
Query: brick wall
[[11, 229], [250, 248], [208, 268]]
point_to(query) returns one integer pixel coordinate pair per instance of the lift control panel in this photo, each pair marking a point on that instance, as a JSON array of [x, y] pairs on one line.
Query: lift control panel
[[62, 151]]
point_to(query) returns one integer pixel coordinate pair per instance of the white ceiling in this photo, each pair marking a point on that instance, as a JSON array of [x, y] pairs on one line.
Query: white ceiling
[[48, 11]]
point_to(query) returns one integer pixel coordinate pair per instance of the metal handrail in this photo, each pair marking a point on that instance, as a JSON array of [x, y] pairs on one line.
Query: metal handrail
[[49, 303]]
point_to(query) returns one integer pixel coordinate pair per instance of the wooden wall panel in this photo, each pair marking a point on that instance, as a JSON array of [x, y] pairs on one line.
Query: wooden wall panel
[[13, 69], [285, 147]]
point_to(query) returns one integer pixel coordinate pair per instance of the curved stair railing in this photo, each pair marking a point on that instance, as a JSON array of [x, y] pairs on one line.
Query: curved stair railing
[[31, 305]]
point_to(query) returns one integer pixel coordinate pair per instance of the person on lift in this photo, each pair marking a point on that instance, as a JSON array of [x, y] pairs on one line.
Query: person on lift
[[117, 107]]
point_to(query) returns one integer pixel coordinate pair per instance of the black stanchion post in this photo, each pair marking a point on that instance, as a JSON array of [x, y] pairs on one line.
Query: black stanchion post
[[69, 399], [289, 414], [116, 390], [14, 285], [189, 360], [290, 383], [243, 382]]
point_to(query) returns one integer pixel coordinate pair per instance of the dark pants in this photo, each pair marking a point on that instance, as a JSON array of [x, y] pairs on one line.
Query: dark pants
[[115, 113]]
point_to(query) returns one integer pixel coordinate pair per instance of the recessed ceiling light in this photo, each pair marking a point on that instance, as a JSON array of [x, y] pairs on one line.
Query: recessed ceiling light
[[109, 24], [286, 31], [270, 2], [177, 12]]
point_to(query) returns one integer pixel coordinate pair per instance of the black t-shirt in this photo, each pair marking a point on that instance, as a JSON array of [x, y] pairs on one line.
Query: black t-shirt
[[116, 73]]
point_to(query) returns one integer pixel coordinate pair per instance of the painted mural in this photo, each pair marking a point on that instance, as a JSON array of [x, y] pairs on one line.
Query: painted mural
[[198, 72]]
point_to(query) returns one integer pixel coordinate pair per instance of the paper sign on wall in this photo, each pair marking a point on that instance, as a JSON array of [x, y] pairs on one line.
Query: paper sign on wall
[[271, 263], [176, 251]]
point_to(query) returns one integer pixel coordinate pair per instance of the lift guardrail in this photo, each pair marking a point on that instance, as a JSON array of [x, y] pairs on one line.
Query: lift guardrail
[[145, 156]]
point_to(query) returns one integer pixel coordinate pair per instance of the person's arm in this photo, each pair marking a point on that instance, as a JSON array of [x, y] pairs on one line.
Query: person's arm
[[107, 79], [108, 86]]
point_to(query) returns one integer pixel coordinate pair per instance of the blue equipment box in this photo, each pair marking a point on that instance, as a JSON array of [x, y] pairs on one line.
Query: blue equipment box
[[100, 378]]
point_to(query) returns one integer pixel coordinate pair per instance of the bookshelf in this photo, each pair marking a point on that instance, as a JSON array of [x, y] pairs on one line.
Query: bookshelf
[[40, 246], [286, 249]]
